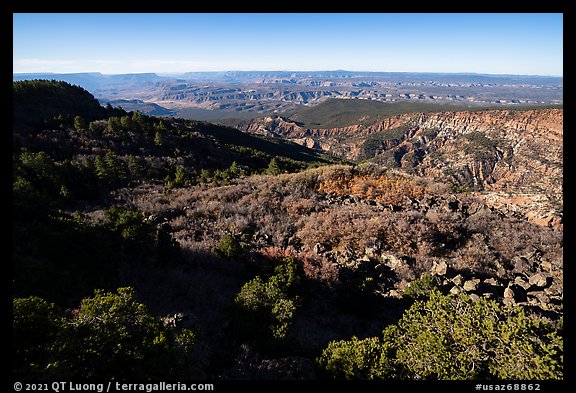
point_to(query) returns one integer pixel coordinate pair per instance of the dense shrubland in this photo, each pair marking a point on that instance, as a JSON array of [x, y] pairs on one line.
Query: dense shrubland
[[295, 212]]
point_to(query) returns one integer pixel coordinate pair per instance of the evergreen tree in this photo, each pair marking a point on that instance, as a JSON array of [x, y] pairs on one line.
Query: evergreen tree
[[158, 138], [274, 168], [79, 123]]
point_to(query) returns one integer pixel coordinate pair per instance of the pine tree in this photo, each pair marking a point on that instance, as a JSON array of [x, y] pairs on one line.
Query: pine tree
[[274, 167], [79, 123]]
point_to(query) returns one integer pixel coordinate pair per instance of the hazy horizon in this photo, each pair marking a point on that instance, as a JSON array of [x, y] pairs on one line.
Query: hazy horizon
[[173, 74], [494, 44]]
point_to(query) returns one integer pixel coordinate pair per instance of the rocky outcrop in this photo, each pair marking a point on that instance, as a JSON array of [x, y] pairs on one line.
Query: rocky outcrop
[[529, 122], [275, 125], [528, 279], [539, 291]]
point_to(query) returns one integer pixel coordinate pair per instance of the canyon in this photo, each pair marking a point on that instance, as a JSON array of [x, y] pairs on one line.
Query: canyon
[[514, 158], [241, 94]]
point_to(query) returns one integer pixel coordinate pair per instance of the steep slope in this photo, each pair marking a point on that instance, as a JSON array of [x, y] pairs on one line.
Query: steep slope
[[335, 113], [44, 119], [63, 161], [518, 152], [388, 227]]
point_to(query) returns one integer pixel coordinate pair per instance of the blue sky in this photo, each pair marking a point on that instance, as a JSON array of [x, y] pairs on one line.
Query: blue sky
[[528, 44]]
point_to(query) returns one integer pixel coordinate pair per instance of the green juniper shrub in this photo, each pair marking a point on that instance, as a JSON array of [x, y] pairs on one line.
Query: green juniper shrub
[[267, 307], [229, 247], [422, 287], [453, 337], [109, 336]]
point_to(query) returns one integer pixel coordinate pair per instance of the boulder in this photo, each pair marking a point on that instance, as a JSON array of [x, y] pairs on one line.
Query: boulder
[[440, 269], [532, 299], [508, 293], [540, 295], [490, 287], [474, 297], [521, 265], [522, 283], [546, 266], [458, 280], [475, 207], [394, 293], [540, 299], [540, 280], [545, 305], [392, 262], [455, 290], [516, 293], [471, 285], [500, 269], [371, 251], [553, 290]]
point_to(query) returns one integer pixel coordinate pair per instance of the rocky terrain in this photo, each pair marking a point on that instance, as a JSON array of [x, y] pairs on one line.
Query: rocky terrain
[[222, 94], [416, 246], [391, 227], [514, 156], [281, 95]]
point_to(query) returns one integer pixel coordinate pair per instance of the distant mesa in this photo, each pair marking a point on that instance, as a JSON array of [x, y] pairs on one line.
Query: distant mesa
[[225, 95]]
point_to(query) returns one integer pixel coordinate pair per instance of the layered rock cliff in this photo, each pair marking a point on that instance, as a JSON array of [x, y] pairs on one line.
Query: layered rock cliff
[[515, 157]]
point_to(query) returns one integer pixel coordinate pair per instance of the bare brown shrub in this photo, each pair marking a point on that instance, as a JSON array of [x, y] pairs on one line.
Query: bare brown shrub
[[292, 213], [315, 267]]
